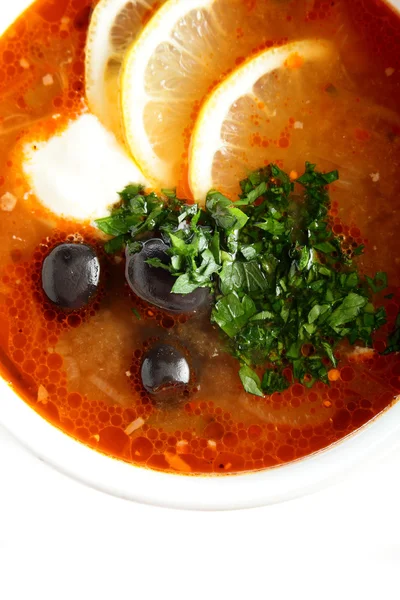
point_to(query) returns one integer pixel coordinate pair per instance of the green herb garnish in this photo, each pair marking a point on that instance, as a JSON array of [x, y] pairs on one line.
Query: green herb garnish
[[285, 294], [394, 338]]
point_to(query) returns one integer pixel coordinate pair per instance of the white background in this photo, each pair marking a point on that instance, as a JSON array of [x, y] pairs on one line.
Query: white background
[[60, 540]]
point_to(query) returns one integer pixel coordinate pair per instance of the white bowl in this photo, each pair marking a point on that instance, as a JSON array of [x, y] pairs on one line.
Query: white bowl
[[209, 492]]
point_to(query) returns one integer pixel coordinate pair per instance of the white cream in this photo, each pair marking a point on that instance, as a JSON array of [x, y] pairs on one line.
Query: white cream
[[79, 173]]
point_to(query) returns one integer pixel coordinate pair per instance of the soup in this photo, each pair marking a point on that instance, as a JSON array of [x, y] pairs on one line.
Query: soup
[[155, 383]]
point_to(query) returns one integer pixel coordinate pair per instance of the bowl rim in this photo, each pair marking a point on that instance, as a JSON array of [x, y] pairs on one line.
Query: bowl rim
[[228, 492]]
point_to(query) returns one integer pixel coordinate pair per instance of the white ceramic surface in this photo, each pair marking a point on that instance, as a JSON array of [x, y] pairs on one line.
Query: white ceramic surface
[[219, 493]]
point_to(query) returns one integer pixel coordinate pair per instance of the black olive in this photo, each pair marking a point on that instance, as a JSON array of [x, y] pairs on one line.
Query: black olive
[[154, 284], [70, 275], [165, 373]]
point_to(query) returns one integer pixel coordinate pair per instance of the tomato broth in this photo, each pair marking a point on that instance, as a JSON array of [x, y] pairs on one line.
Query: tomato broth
[[80, 370]]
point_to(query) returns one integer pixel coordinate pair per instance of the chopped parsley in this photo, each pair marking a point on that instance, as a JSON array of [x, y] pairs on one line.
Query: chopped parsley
[[394, 338], [136, 313], [285, 293]]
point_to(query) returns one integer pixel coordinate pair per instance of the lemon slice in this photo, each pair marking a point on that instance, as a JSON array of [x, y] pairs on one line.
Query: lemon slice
[[185, 49], [249, 118], [113, 27]]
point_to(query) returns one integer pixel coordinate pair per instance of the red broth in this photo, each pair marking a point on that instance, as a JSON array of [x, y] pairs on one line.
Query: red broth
[[81, 371]]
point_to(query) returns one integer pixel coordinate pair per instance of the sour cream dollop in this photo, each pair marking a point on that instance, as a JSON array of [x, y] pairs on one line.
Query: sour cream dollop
[[78, 173]]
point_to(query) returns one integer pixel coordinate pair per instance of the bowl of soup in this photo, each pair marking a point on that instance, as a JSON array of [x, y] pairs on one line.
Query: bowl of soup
[[199, 267]]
